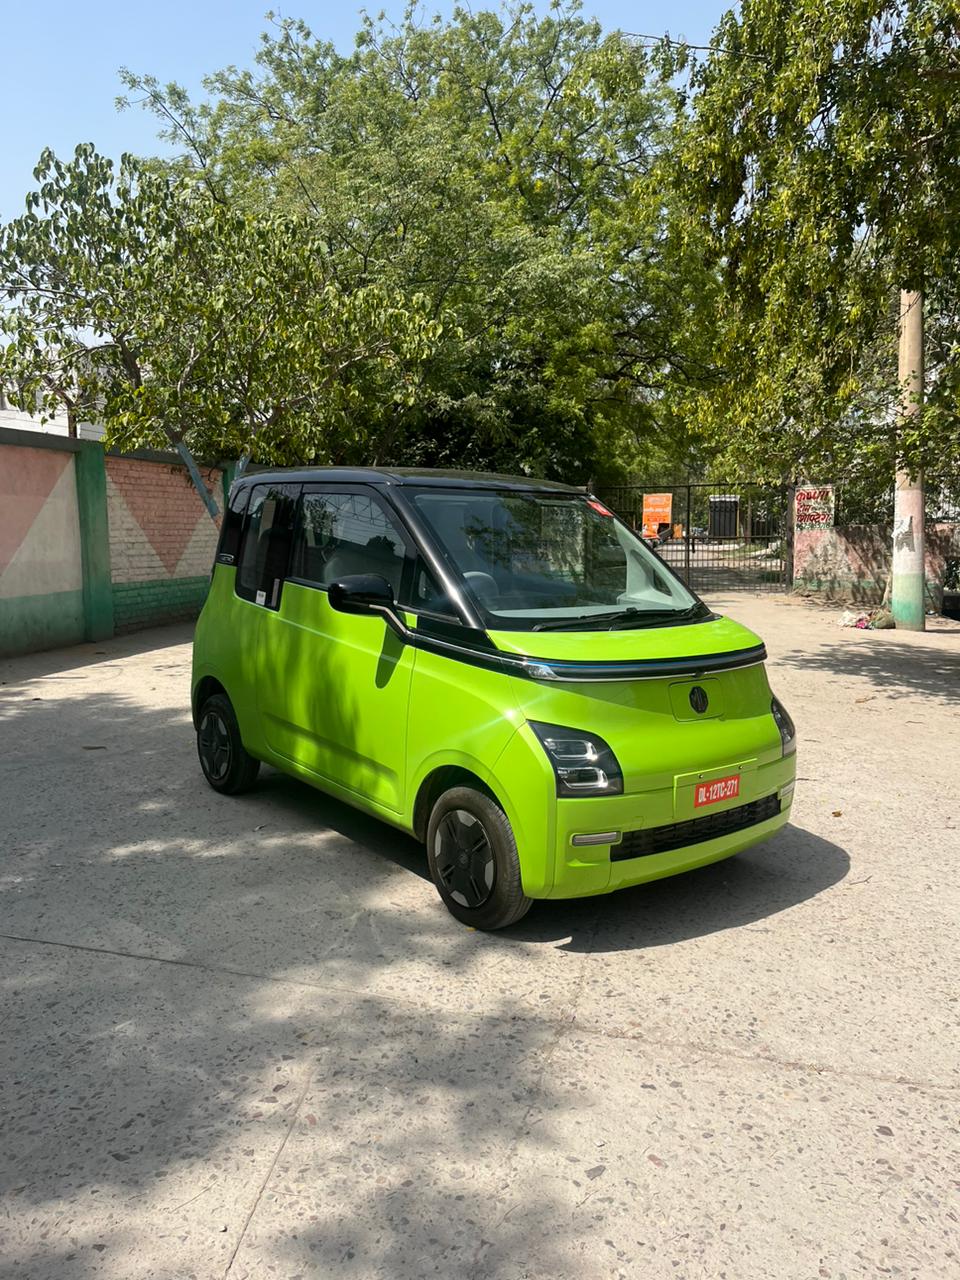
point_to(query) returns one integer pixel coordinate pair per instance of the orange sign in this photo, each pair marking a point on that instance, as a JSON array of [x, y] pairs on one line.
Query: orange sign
[[657, 510]]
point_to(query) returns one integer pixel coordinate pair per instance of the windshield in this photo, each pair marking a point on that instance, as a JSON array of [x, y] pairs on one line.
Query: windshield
[[552, 561]]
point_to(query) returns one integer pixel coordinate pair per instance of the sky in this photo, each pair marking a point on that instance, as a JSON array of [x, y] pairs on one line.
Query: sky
[[60, 76]]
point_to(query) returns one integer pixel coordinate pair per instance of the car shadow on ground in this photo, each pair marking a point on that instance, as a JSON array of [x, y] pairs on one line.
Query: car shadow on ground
[[790, 868], [787, 870], [891, 668], [370, 833]]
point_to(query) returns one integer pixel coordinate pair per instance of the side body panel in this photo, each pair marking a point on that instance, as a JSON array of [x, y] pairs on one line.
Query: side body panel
[[464, 716], [333, 694], [225, 646]]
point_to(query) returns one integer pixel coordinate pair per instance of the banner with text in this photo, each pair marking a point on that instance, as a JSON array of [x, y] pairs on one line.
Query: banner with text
[[815, 507], [657, 510]]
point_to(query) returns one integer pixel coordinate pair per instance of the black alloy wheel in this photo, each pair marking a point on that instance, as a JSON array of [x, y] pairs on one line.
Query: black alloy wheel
[[225, 762], [473, 859], [213, 744], [464, 859]]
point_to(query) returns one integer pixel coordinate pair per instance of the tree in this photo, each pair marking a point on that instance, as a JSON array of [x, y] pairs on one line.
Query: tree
[[501, 165], [818, 158], [176, 319]]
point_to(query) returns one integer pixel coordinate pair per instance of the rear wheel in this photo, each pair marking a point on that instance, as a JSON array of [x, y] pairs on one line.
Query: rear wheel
[[226, 764], [473, 860]]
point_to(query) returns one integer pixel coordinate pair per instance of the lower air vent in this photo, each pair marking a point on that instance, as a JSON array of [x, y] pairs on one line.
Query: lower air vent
[[641, 844]]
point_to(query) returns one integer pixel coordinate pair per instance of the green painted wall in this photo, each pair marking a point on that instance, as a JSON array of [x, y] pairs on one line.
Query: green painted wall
[[91, 479], [140, 604], [29, 623]]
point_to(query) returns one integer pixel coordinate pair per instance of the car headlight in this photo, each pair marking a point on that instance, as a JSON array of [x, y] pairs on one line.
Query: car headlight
[[582, 762], [788, 731]]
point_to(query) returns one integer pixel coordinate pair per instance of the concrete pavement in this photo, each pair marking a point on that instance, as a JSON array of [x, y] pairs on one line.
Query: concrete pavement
[[242, 1037]]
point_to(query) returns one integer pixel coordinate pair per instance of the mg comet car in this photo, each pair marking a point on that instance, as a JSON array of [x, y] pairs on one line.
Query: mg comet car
[[496, 665]]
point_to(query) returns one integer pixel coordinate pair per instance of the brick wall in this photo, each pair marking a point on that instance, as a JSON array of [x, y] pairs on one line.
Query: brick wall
[[162, 541]]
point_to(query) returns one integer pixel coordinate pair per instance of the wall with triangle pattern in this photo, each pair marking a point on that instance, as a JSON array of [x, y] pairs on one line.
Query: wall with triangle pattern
[[93, 543]]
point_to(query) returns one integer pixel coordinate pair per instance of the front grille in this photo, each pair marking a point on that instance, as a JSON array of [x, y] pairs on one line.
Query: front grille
[[641, 844]]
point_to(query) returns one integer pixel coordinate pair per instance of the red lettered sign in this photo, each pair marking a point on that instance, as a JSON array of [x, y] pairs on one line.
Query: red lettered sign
[[815, 507], [714, 792]]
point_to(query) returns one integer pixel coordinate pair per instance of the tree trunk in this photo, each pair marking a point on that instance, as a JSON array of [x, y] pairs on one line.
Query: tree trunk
[[212, 509], [907, 577]]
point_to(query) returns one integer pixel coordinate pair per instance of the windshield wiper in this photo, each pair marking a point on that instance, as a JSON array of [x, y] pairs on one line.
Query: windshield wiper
[[651, 617], [621, 619], [588, 621], [581, 622]]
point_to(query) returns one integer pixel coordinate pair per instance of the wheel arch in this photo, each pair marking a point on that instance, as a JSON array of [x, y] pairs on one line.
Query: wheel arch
[[205, 688], [438, 781]]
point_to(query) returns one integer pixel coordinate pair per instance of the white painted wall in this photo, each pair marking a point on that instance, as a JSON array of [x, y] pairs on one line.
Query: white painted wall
[[57, 426]]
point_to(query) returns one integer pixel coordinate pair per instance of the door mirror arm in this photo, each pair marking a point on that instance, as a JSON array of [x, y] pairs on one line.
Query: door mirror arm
[[395, 623]]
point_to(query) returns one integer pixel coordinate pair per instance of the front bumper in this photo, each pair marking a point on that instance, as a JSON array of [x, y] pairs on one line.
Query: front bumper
[[582, 870]]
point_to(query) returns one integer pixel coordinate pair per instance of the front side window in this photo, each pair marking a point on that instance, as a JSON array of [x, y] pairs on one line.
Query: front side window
[[339, 534], [544, 561]]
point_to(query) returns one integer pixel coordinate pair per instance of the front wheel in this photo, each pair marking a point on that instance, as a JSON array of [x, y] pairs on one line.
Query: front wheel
[[473, 860], [225, 762]]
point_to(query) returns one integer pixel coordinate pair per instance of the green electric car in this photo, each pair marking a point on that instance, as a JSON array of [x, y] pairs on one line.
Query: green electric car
[[497, 665]]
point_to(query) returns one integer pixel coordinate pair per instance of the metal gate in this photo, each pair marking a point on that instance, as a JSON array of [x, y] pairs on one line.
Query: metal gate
[[720, 537]]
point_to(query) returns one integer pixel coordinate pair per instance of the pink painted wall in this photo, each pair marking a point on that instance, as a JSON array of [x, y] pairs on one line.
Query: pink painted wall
[[39, 526]]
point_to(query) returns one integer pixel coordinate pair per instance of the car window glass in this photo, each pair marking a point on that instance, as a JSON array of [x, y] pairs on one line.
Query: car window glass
[[266, 542], [427, 595], [528, 558], [340, 534]]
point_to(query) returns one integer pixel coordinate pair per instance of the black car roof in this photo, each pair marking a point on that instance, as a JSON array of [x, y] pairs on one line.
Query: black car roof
[[422, 477]]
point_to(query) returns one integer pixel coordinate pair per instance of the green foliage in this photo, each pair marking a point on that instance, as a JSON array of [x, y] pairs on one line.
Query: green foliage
[[498, 165], [817, 159], [171, 316]]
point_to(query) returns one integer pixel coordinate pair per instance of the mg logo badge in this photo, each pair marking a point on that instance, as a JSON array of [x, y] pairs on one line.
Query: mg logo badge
[[699, 700]]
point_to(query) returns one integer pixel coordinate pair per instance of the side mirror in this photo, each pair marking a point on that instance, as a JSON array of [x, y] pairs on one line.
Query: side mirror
[[360, 593], [367, 593]]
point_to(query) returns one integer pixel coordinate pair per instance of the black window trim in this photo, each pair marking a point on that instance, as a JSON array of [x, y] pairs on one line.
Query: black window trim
[[233, 521]]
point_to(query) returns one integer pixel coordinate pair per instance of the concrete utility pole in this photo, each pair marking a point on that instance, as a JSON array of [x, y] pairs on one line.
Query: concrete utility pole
[[907, 596]]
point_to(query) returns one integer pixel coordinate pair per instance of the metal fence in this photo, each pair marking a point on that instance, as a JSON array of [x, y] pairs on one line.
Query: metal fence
[[720, 537]]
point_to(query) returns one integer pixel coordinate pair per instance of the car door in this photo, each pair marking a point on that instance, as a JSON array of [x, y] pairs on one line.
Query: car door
[[335, 687], [267, 528]]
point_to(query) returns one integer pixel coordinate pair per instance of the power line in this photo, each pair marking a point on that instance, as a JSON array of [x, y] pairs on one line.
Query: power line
[[685, 44]]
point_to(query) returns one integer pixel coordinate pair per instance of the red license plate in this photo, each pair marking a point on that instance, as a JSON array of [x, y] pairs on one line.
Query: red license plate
[[714, 792]]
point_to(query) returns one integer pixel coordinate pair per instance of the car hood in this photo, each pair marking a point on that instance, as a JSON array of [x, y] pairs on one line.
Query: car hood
[[713, 637]]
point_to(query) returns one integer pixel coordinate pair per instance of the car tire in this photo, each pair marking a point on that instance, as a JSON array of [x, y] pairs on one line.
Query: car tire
[[473, 860], [227, 765]]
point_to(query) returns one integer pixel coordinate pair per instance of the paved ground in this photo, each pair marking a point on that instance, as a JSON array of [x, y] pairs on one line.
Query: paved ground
[[242, 1037]]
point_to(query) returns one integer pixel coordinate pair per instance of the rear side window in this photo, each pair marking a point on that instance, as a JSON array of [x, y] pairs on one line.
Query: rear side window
[[232, 527], [339, 534], [265, 549]]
